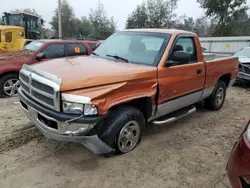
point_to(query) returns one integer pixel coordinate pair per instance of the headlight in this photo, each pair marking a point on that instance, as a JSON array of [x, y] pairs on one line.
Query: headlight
[[90, 109], [20, 33], [72, 108], [73, 104]]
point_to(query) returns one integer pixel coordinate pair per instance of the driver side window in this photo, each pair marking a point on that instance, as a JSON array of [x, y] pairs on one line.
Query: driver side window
[[186, 44]]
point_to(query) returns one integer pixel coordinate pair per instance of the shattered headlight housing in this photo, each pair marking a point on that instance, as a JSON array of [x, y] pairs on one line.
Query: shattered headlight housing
[[74, 104]]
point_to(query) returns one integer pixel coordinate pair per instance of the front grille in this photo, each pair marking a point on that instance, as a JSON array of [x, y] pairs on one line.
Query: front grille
[[43, 87], [40, 89], [43, 98], [8, 37]]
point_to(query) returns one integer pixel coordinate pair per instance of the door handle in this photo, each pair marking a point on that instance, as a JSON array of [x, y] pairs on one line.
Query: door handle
[[199, 71]]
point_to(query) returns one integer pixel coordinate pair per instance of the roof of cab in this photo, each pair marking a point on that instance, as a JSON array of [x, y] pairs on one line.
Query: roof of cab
[[167, 31], [64, 40]]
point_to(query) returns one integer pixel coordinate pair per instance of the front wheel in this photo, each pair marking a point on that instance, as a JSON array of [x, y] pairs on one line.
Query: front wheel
[[123, 129], [9, 85], [217, 99]]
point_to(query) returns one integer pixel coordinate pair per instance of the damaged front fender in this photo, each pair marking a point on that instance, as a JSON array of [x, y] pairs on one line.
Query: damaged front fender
[[107, 96]]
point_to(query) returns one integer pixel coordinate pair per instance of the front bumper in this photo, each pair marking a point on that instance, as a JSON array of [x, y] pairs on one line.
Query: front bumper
[[239, 164], [243, 76], [54, 125]]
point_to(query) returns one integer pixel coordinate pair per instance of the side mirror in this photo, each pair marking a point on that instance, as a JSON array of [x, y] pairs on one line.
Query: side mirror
[[179, 58], [40, 56]]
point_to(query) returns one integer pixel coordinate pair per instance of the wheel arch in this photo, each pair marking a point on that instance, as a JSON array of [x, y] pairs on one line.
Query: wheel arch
[[143, 104], [225, 78], [9, 72]]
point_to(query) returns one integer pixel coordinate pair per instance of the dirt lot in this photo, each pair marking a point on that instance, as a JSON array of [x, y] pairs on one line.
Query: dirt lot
[[192, 152]]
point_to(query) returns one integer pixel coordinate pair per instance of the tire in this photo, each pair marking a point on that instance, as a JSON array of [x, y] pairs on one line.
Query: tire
[[217, 99], [124, 125], [10, 81]]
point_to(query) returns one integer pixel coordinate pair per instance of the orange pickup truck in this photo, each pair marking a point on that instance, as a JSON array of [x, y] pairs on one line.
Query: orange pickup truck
[[135, 77]]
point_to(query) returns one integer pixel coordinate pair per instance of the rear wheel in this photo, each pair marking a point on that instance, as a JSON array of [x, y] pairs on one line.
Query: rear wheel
[[9, 85], [123, 129], [217, 99]]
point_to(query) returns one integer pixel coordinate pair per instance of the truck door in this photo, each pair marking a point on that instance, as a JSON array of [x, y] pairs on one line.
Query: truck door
[[181, 85]]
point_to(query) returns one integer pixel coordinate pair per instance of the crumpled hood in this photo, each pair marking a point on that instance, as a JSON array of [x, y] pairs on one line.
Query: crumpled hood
[[85, 72], [244, 60], [16, 55]]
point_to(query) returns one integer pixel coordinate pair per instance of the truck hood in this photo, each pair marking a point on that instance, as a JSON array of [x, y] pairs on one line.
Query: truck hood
[[85, 72], [16, 55]]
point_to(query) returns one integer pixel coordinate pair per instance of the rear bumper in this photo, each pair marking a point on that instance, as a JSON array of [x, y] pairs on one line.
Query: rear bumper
[[239, 164], [53, 125]]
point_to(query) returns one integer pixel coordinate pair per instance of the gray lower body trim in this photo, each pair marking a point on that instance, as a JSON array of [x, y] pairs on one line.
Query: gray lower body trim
[[207, 92], [177, 104], [93, 143], [182, 102], [232, 82]]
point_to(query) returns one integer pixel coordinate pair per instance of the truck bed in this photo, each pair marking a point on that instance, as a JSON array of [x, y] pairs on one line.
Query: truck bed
[[220, 66]]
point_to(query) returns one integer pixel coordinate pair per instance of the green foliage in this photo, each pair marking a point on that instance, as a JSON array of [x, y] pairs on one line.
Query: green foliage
[[27, 11], [153, 14], [101, 24], [68, 20], [200, 26], [98, 26], [226, 13]]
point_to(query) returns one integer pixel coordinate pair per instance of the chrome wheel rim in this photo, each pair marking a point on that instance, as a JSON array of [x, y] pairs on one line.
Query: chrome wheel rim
[[220, 96], [129, 136], [11, 86]]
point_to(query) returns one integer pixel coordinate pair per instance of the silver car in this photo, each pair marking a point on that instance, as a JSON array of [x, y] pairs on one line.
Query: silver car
[[244, 64]]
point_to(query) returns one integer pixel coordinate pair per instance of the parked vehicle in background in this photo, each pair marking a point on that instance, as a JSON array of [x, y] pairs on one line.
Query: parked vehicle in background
[[34, 52], [244, 64], [238, 167], [104, 101], [17, 27]]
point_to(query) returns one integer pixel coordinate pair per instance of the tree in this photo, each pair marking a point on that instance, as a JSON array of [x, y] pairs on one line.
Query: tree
[[239, 25], [27, 11], [138, 18], [222, 12], [68, 20], [153, 14], [83, 27], [185, 23], [203, 27], [101, 24]]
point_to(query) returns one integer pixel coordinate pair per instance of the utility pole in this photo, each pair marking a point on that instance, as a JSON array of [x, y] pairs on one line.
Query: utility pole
[[60, 18]]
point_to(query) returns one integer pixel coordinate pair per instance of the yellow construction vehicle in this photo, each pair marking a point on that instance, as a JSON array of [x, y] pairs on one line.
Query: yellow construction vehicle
[[16, 29]]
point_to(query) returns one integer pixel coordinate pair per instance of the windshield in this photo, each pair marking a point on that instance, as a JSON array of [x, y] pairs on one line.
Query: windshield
[[245, 52], [16, 20], [135, 47], [34, 46]]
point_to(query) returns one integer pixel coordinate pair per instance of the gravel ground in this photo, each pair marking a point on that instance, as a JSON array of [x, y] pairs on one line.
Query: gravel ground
[[191, 152]]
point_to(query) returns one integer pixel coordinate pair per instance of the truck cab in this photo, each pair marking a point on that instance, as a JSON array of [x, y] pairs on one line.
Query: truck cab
[[134, 78]]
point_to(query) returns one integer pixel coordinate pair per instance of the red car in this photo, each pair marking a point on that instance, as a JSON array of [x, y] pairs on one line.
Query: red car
[[238, 167], [34, 52]]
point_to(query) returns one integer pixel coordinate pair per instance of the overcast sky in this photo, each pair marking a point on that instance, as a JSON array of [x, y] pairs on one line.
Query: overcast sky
[[119, 9]]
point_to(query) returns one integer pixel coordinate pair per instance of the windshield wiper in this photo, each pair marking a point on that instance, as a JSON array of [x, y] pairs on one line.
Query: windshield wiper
[[118, 57], [95, 54]]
